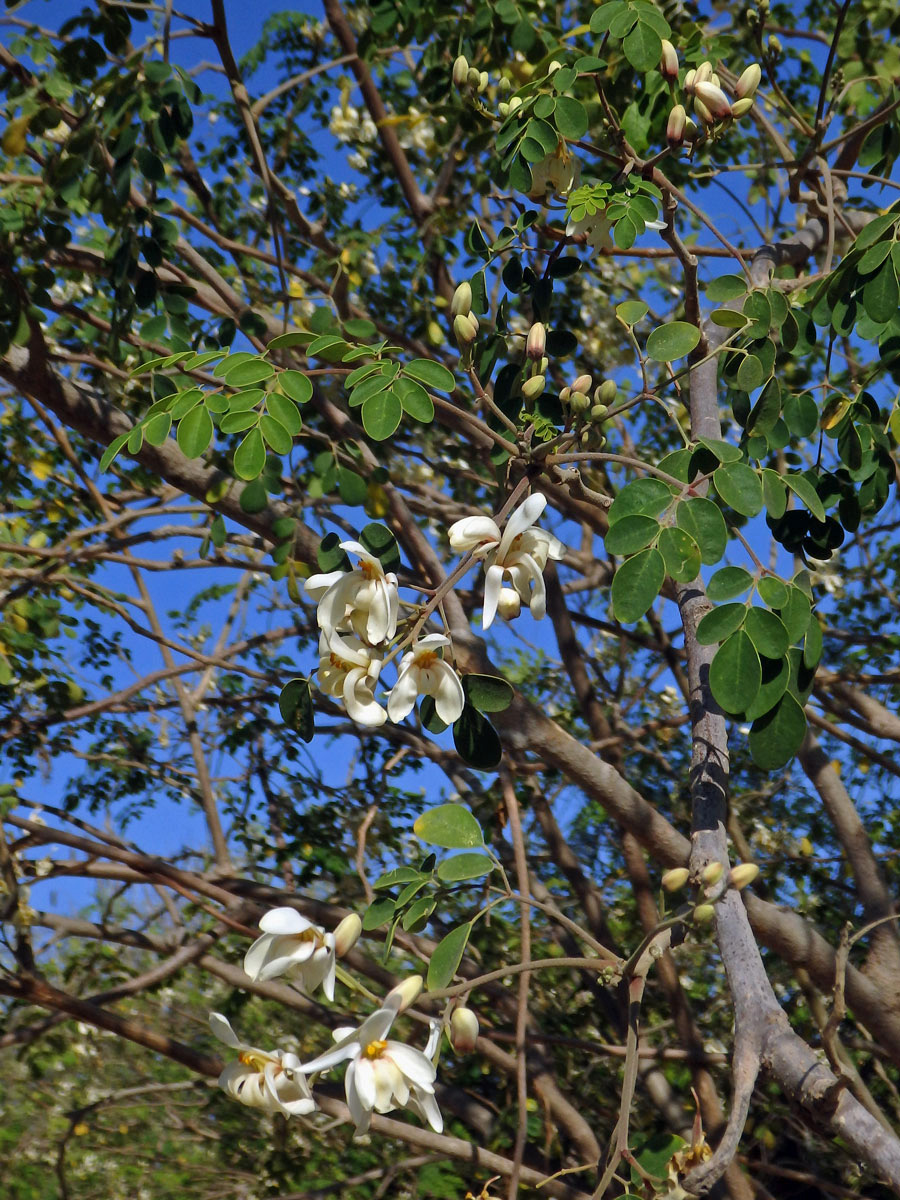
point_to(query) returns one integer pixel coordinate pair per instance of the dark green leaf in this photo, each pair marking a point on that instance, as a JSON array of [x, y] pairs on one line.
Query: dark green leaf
[[285, 412], [801, 486], [487, 693], [767, 632], [647, 497], [195, 432], [245, 373], [773, 592], [631, 534], [295, 705], [451, 826], [735, 674], [296, 385], [727, 583], [275, 434], [381, 415], [570, 118], [464, 866], [476, 740], [446, 956], [672, 341], [250, 456], [881, 296], [415, 400], [702, 519], [680, 553], [721, 623], [776, 675], [812, 643], [777, 736], [740, 487], [636, 585], [434, 374]]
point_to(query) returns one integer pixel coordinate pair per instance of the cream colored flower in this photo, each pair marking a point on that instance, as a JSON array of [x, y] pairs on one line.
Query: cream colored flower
[[424, 673], [271, 1081], [363, 601], [519, 552], [291, 945], [558, 172], [349, 670]]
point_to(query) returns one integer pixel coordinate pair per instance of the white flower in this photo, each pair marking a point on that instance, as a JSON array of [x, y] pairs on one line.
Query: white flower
[[595, 228], [424, 673], [558, 172], [291, 945], [364, 601], [272, 1081], [349, 669], [519, 552], [382, 1074]]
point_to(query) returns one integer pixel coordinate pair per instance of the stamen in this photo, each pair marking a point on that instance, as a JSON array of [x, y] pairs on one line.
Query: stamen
[[375, 1049]]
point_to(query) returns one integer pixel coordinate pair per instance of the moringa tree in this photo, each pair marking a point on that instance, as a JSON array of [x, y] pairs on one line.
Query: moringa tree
[[451, 428]]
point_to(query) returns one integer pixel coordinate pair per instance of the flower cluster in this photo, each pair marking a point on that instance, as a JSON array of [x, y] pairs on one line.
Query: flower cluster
[[705, 97], [382, 1074], [357, 614]]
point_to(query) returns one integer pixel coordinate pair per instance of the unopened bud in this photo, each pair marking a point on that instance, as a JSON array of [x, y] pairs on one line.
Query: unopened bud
[[606, 392], [689, 79], [668, 63], [774, 46], [564, 394], [483, 81], [692, 131], [715, 80], [704, 912], [509, 604], [676, 126], [704, 73], [703, 112], [740, 876], [748, 83], [462, 330], [503, 85], [714, 99], [503, 109], [514, 103], [598, 413], [347, 934], [434, 333], [461, 304], [554, 66], [536, 342], [675, 879], [582, 384], [740, 108], [404, 994], [460, 71], [712, 872], [473, 77], [534, 387], [579, 403], [463, 1030]]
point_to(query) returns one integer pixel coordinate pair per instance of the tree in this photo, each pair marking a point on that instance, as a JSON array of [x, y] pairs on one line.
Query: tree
[[296, 338]]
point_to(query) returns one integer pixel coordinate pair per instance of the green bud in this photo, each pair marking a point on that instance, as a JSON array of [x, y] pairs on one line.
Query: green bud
[[675, 879], [460, 71], [579, 403], [740, 108], [463, 331], [598, 413], [473, 77], [483, 81], [748, 83], [582, 384], [703, 913], [606, 393], [461, 304], [534, 387], [740, 876], [712, 872]]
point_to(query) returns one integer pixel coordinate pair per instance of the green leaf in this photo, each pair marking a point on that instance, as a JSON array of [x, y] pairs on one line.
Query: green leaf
[[381, 415], [195, 432], [777, 736], [655, 1156], [647, 497], [767, 632], [776, 675], [801, 487], [632, 311], [727, 583], [296, 385], [374, 382], [643, 47], [285, 412], [795, 613], [397, 876], [157, 428], [446, 957], [726, 287], [180, 405], [330, 556], [751, 374], [476, 740], [724, 451], [487, 693], [680, 553], [250, 456], [352, 488], [246, 373], [702, 519], [636, 585], [570, 118], [721, 623], [415, 400], [434, 374], [672, 341], [773, 592], [631, 534], [881, 296], [275, 435], [297, 337], [378, 913], [237, 422], [416, 916], [774, 493], [112, 450], [735, 674], [464, 866], [740, 487], [727, 318], [379, 540], [295, 705], [450, 826], [812, 643]]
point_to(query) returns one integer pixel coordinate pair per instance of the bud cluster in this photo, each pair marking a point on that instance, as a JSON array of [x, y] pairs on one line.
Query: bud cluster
[[466, 77], [705, 98], [590, 411], [465, 323]]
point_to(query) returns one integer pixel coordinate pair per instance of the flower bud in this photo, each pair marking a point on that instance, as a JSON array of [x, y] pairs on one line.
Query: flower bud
[[509, 605], [579, 403], [460, 71], [347, 934], [582, 384], [483, 81], [774, 46], [598, 413], [503, 109], [740, 876], [514, 103], [692, 131], [534, 387], [463, 332], [668, 63], [461, 304], [675, 879], [564, 395], [545, 363], [715, 80], [712, 872], [606, 392], [404, 994], [503, 85], [714, 99], [689, 79], [463, 1030], [740, 108], [676, 126], [704, 912], [434, 333], [473, 77], [704, 73], [536, 342], [703, 112], [748, 83]]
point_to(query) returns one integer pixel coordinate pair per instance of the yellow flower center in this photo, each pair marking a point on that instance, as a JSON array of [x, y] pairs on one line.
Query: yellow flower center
[[375, 1049], [249, 1058], [426, 659]]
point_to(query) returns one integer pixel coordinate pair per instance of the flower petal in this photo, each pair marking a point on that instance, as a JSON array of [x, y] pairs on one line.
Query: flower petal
[[449, 697], [361, 1116], [473, 532], [221, 1027], [284, 921], [364, 1082], [403, 694], [418, 1069], [521, 519], [493, 581], [359, 700]]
